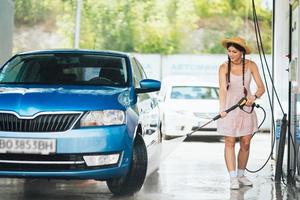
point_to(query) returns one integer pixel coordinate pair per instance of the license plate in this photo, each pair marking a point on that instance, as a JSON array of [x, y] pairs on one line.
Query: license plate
[[30, 146]]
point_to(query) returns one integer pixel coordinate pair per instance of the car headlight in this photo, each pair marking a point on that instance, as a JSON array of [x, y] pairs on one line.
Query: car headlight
[[103, 118], [205, 115], [182, 112], [179, 112]]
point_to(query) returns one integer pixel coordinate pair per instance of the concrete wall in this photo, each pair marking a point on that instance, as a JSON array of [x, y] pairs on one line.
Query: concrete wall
[[280, 52], [6, 29]]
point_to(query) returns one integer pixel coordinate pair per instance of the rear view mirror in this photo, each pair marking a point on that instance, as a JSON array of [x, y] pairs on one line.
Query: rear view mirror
[[148, 85]]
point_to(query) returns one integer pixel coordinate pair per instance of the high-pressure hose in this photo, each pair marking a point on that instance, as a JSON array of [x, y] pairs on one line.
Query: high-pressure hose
[[240, 104]]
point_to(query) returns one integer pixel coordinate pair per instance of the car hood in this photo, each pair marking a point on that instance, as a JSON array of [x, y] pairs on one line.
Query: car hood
[[29, 101]]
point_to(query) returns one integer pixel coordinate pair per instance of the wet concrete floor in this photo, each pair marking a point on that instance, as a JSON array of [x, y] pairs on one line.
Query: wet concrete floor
[[193, 170]]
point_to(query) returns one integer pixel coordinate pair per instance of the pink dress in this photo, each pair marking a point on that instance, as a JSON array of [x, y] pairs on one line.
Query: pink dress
[[237, 122]]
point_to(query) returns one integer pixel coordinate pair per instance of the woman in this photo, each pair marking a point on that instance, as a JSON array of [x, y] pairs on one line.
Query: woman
[[234, 80]]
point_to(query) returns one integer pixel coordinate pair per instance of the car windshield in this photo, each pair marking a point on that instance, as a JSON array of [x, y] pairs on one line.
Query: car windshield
[[194, 92], [74, 69]]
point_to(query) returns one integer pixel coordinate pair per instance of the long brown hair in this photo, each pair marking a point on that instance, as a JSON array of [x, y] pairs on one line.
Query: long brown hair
[[240, 48]]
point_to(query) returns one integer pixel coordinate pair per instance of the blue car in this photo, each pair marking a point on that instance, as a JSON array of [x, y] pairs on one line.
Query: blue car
[[78, 114]]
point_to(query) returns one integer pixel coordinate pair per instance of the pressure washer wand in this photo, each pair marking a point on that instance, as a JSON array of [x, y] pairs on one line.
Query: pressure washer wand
[[240, 104]]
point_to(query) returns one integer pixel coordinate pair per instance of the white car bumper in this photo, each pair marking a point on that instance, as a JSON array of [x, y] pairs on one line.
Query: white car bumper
[[178, 125]]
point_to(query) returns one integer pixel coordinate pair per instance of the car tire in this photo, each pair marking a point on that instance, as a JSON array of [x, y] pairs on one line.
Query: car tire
[[134, 180], [163, 135], [166, 137], [160, 137]]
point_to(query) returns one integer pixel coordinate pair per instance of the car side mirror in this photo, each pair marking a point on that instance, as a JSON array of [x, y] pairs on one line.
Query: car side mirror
[[148, 85]]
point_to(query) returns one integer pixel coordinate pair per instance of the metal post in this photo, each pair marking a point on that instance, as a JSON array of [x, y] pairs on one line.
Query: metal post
[[280, 153], [290, 116], [272, 130], [77, 24], [6, 27]]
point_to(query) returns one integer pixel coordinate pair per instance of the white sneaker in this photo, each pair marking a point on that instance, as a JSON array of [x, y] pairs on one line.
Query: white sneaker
[[234, 184], [244, 181]]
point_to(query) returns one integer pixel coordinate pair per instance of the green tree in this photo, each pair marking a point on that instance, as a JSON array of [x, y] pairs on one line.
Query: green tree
[[30, 12], [231, 18], [149, 26]]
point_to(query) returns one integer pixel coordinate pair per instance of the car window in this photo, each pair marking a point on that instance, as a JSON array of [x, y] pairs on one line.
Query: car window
[[141, 69], [137, 74], [194, 92], [11, 72], [66, 69]]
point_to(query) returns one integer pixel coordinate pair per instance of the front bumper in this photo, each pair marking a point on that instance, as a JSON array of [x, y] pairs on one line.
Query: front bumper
[[179, 125], [68, 162]]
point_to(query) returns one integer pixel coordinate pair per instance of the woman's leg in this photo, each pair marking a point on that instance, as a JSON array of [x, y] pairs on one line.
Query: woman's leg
[[244, 151], [230, 153], [231, 162], [243, 159]]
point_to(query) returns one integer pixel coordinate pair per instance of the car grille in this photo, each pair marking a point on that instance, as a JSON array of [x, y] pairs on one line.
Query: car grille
[[49, 163], [54, 122]]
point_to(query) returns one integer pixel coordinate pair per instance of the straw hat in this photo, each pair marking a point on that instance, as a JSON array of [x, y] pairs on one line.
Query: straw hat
[[237, 40]]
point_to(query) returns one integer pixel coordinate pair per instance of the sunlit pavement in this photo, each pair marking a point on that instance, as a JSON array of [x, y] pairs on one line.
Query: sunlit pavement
[[195, 169]]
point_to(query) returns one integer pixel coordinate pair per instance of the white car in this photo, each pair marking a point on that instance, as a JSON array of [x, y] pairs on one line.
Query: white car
[[186, 103]]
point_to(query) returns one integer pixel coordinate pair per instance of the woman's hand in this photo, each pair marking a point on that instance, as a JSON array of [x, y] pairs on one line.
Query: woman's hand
[[250, 100], [223, 114]]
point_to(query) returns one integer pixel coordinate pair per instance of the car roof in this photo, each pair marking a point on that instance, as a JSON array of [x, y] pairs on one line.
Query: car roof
[[180, 80], [76, 51]]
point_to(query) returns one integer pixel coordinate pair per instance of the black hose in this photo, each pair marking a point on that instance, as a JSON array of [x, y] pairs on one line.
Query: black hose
[[262, 52], [240, 104]]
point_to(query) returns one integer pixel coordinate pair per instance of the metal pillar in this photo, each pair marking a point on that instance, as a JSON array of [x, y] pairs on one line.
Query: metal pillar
[[77, 24], [294, 89], [6, 27]]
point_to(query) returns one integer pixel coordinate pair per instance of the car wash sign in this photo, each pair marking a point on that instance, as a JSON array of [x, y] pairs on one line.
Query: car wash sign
[[203, 66]]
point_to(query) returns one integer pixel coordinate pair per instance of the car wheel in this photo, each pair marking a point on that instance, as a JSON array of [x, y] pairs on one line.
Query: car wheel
[[134, 180], [164, 136], [160, 136]]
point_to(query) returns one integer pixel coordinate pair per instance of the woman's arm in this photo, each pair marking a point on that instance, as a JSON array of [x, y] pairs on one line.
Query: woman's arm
[[260, 85], [222, 88]]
